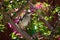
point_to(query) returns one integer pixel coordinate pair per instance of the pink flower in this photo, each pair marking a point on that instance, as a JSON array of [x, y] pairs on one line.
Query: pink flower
[[38, 5], [59, 38], [10, 25], [16, 20], [16, 9], [31, 9], [14, 30], [17, 33]]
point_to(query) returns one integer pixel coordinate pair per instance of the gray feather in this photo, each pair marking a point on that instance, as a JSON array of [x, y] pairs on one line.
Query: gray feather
[[25, 21]]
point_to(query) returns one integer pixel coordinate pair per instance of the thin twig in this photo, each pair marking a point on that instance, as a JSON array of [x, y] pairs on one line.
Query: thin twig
[[51, 37]]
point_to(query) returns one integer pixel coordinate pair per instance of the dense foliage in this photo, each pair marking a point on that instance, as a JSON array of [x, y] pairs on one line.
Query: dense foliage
[[39, 26]]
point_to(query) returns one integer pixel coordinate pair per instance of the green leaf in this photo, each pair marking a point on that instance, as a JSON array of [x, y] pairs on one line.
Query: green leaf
[[46, 18], [57, 9], [14, 13], [2, 27], [1, 16], [39, 11], [46, 4], [13, 35]]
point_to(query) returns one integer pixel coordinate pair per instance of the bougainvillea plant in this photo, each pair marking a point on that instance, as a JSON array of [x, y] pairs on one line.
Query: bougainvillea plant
[[34, 19]]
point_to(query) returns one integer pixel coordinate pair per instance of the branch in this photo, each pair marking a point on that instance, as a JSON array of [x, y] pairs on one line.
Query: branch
[[20, 10], [46, 22], [21, 31], [7, 17], [54, 30], [41, 17]]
